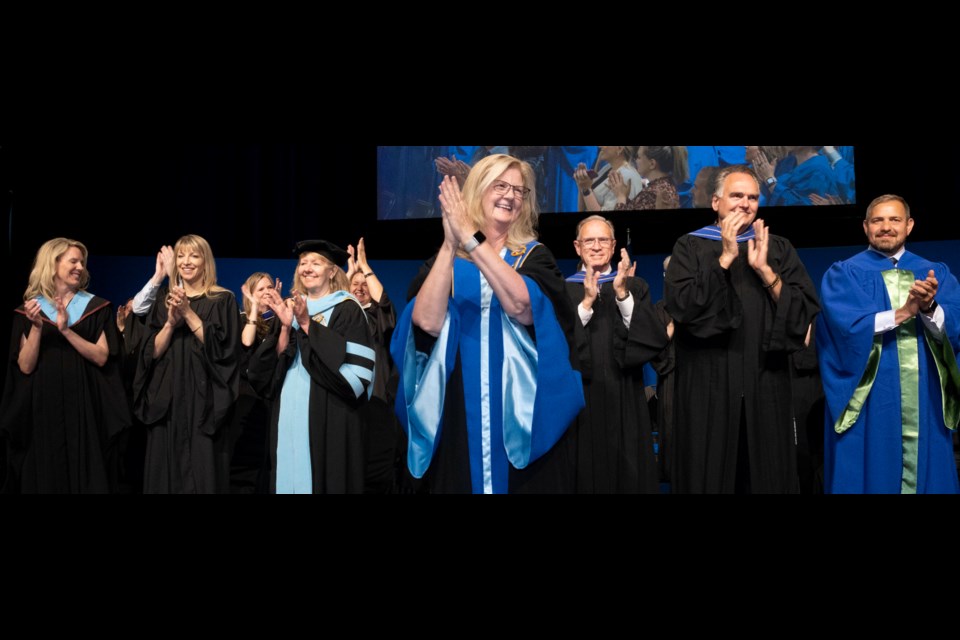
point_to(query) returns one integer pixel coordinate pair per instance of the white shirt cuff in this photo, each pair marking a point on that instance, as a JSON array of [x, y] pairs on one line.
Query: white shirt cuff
[[884, 321], [626, 309], [143, 301], [585, 314]]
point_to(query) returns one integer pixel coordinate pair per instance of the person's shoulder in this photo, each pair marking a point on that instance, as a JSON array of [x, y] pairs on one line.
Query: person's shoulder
[[95, 303], [350, 305], [536, 250]]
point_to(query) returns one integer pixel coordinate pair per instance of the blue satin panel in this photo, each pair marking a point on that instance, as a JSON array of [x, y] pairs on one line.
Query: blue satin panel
[[75, 308], [479, 342], [354, 373], [507, 398], [294, 472], [486, 448], [519, 386], [294, 468], [423, 384]]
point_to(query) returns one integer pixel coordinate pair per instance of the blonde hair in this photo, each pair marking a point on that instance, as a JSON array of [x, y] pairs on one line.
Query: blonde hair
[[338, 281], [249, 285], [209, 283], [44, 270], [485, 173]]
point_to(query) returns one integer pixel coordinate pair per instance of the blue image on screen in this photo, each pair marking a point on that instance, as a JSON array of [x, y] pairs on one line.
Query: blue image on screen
[[408, 176]]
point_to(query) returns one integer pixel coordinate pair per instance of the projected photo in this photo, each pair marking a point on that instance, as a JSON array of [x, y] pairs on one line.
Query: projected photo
[[575, 179]]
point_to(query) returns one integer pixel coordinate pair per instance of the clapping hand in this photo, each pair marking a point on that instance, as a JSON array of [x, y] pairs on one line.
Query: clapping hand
[[32, 309]]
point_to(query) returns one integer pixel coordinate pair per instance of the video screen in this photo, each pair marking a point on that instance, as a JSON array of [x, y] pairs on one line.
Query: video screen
[[575, 179]]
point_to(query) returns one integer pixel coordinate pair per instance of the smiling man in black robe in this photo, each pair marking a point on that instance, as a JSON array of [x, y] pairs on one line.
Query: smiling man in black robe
[[741, 301], [621, 332]]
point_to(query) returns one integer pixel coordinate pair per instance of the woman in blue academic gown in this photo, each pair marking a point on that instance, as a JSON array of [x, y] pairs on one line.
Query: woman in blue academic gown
[[487, 390]]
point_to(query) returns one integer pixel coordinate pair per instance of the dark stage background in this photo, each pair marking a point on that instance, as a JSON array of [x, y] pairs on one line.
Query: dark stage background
[[124, 198]]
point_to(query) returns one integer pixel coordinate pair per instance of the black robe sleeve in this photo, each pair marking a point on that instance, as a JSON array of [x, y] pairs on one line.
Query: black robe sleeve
[[217, 355], [17, 388], [665, 361], [68, 408], [265, 368], [699, 293], [324, 350], [646, 337], [798, 305]]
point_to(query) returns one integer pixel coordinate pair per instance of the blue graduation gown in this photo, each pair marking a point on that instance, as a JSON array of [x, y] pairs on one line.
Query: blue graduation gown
[[488, 395], [796, 182], [868, 456]]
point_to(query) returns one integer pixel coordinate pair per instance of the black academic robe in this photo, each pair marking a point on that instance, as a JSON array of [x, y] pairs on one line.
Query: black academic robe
[[614, 435], [384, 440], [555, 471], [134, 444], [808, 402], [664, 364], [185, 396], [336, 428], [732, 343], [249, 425], [61, 423]]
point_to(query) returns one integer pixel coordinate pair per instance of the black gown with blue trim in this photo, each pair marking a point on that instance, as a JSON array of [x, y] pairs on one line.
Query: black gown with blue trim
[[335, 422], [61, 423]]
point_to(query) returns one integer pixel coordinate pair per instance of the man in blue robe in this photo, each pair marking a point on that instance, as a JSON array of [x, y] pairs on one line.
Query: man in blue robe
[[887, 342]]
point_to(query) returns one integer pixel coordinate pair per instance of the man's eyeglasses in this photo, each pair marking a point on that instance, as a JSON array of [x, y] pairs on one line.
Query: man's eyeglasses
[[500, 188], [592, 242]]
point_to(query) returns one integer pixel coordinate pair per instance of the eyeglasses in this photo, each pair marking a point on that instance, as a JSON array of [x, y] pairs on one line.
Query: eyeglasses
[[500, 188], [592, 242]]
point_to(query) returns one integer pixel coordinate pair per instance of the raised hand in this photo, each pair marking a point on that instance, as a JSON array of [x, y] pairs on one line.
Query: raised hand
[[925, 290], [300, 311], [729, 230], [273, 299], [758, 246], [254, 304], [620, 187], [351, 263], [581, 176], [762, 167], [178, 305], [591, 288], [453, 167], [165, 262], [62, 320], [454, 212], [362, 256], [32, 309], [624, 269]]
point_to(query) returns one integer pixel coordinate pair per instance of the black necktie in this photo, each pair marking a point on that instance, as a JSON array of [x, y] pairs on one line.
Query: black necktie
[[894, 261]]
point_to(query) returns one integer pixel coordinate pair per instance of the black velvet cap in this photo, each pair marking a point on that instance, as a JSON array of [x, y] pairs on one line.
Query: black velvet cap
[[328, 250]]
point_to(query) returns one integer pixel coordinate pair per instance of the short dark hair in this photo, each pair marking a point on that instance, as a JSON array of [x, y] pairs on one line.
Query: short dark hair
[[722, 175], [886, 198]]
